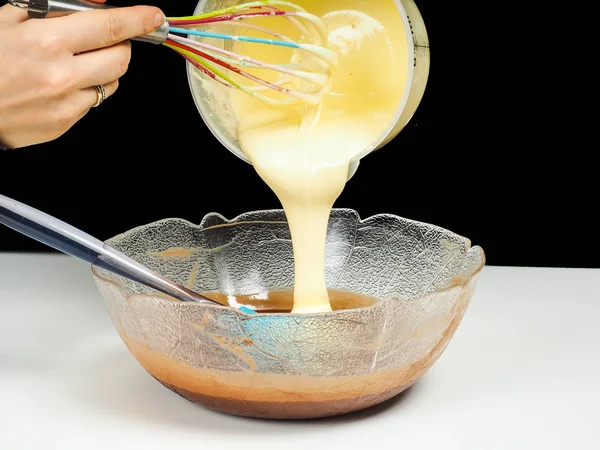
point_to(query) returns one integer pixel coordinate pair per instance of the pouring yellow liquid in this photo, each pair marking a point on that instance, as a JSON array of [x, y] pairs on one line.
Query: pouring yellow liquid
[[303, 153]]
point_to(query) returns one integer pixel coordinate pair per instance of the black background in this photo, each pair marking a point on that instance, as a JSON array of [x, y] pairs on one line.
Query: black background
[[500, 150]]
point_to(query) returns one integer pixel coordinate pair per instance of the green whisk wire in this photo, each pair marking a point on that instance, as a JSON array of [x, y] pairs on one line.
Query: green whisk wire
[[232, 9]]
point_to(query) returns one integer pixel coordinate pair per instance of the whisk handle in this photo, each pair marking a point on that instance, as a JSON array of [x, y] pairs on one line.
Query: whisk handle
[[42, 9]]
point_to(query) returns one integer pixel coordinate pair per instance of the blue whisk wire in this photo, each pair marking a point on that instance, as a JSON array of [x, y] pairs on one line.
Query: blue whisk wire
[[228, 37]]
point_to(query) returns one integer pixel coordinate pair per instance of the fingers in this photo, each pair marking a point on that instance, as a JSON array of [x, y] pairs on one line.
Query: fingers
[[39, 126], [77, 106], [80, 103], [72, 108], [88, 97], [102, 66], [91, 30], [12, 14]]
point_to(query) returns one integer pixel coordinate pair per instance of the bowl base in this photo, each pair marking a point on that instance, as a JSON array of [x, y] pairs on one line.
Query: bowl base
[[285, 410]]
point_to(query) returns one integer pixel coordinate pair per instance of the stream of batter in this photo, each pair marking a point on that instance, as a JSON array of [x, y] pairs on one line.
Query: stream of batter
[[303, 152]]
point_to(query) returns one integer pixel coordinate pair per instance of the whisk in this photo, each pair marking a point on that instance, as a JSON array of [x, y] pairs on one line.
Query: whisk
[[225, 66]]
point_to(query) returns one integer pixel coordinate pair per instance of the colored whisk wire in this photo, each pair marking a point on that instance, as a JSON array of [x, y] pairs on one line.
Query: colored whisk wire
[[226, 67], [234, 38]]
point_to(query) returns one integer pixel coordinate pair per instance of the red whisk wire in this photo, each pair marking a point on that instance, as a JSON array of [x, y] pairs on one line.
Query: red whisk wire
[[224, 64], [228, 17]]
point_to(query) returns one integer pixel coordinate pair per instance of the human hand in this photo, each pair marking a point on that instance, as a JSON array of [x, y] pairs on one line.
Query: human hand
[[49, 67]]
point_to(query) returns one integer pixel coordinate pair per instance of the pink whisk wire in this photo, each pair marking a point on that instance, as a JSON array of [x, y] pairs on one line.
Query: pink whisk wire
[[230, 17]]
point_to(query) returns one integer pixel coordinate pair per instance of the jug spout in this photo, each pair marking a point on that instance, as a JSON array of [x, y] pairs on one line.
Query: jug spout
[[353, 168]]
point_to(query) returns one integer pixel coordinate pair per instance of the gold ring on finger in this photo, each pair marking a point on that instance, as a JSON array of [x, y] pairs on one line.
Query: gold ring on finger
[[101, 93]]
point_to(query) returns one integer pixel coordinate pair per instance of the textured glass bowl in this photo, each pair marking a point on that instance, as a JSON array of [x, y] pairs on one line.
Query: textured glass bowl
[[286, 366]]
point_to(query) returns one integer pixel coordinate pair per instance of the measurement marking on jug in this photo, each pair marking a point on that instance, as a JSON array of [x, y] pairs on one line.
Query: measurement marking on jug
[[420, 44]]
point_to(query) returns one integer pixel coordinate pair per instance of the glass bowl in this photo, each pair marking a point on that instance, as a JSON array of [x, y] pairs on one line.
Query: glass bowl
[[286, 366]]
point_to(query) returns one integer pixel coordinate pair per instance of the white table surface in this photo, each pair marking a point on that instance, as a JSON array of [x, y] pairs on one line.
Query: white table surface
[[522, 372]]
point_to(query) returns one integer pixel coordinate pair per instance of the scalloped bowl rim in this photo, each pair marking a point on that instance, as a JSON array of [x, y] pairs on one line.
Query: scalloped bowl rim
[[153, 296]]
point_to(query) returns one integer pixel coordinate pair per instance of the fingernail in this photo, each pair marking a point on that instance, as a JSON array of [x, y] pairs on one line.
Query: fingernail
[[159, 19]]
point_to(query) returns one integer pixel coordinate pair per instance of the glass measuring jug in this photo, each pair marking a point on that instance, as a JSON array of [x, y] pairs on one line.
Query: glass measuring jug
[[212, 99]]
